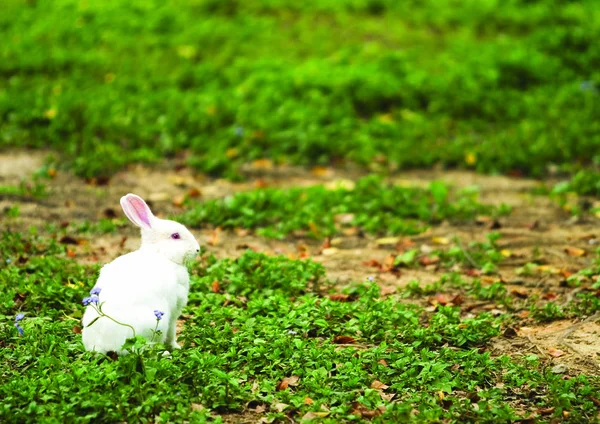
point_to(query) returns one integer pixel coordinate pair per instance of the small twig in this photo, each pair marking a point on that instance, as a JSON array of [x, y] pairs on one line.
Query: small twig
[[574, 327], [467, 254], [542, 280], [539, 349]]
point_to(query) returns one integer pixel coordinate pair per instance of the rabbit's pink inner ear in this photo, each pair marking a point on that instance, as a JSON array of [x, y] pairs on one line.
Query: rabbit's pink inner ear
[[137, 210]]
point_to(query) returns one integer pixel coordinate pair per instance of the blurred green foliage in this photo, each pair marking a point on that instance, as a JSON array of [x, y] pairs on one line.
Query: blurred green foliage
[[372, 206], [506, 86]]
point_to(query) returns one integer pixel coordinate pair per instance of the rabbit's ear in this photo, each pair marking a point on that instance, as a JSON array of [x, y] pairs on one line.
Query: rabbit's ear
[[137, 210]]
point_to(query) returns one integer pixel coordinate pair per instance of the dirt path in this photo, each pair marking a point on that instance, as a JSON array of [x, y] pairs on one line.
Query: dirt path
[[536, 228]]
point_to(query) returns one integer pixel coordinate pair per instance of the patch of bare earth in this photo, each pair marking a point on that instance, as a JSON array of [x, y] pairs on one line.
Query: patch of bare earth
[[537, 230]]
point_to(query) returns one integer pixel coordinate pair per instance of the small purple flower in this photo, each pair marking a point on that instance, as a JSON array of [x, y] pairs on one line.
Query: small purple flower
[[8, 261], [158, 314], [371, 278], [19, 317], [239, 131], [95, 290], [86, 301], [19, 329], [94, 299]]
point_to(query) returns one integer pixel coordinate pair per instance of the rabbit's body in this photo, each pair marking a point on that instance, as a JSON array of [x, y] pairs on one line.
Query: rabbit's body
[[133, 286]]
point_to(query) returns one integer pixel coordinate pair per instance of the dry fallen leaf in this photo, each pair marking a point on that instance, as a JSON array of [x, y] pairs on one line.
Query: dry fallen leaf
[[262, 163], [178, 200], [344, 340], [71, 253], [241, 232], [383, 362], [388, 263], [445, 299], [197, 407], [440, 240], [194, 192], [321, 171], [575, 251], [546, 411], [215, 286], [76, 329], [387, 241], [557, 353], [293, 380], [429, 260], [339, 297], [472, 272], [387, 396], [362, 411], [520, 292], [308, 401], [261, 183], [565, 273], [374, 263], [312, 415], [378, 385], [260, 409], [279, 407], [213, 240]]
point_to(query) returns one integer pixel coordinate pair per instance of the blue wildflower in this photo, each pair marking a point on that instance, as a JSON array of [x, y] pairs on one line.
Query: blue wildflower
[[371, 278], [95, 290], [19, 329], [158, 314], [94, 299], [86, 301], [8, 261], [19, 317], [587, 86]]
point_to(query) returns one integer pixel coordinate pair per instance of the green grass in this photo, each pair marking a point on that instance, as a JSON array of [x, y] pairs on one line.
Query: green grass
[[505, 86], [584, 182], [270, 319], [372, 205], [25, 189]]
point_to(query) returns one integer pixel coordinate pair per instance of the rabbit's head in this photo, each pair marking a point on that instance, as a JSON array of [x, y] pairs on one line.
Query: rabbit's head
[[168, 238]]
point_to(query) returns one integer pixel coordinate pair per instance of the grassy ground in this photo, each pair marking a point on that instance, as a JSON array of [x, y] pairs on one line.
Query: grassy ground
[[506, 86], [472, 318]]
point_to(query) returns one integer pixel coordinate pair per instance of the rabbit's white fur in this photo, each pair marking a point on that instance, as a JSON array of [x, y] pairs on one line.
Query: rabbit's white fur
[[134, 285]]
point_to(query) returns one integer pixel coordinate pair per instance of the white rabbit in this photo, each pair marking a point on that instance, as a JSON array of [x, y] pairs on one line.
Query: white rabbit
[[135, 287]]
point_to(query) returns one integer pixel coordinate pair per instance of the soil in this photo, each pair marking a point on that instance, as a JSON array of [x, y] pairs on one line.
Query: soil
[[536, 229]]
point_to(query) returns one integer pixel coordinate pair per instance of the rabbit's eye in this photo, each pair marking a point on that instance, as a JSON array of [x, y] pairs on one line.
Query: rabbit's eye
[[175, 236]]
